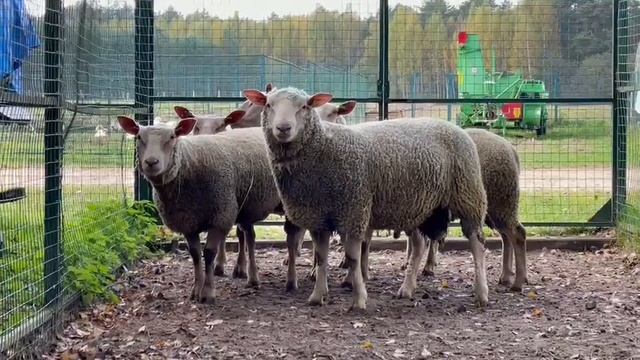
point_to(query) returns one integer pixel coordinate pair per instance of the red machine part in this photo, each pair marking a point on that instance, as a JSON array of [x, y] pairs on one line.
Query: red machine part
[[512, 111], [463, 38]]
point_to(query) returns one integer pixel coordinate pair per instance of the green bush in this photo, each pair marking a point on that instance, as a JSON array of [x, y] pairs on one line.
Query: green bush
[[121, 237]]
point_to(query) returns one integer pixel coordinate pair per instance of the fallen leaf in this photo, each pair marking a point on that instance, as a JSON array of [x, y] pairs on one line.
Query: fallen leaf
[[537, 312], [367, 345], [142, 329], [215, 322], [390, 341], [532, 295], [425, 353], [445, 284], [357, 325]]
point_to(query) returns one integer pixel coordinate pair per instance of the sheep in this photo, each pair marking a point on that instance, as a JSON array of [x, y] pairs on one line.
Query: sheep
[[208, 183], [346, 179], [100, 134], [500, 166], [335, 113], [210, 124]]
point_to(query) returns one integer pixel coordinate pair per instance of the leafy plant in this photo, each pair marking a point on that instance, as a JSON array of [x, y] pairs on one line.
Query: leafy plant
[[121, 237]]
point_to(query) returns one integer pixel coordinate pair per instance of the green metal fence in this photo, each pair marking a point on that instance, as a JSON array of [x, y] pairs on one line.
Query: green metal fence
[[68, 218]]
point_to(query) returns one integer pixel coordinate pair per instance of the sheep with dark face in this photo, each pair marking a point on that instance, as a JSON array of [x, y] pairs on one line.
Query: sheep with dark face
[[379, 175], [207, 183]]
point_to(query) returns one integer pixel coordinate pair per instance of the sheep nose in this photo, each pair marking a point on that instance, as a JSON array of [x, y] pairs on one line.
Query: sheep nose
[[284, 128], [151, 161]]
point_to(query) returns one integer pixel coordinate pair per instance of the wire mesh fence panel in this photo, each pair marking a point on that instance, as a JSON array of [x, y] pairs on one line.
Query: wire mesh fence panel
[[66, 221], [628, 126], [211, 55]]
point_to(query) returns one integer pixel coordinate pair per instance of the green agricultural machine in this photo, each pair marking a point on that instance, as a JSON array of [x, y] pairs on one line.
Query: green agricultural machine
[[475, 83]]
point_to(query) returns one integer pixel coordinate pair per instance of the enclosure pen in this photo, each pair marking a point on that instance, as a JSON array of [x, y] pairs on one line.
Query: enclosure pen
[[85, 266]]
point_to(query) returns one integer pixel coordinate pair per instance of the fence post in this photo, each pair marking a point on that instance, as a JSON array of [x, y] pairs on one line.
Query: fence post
[[383, 67], [144, 80], [620, 102], [52, 153]]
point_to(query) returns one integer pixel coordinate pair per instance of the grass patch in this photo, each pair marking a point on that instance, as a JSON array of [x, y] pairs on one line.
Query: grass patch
[[629, 224], [100, 234]]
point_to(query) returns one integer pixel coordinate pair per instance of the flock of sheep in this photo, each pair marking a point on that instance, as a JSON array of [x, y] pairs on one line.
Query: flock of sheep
[[289, 153]]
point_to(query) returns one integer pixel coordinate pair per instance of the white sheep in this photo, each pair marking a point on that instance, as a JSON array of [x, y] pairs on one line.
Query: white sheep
[[377, 175], [207, 183]]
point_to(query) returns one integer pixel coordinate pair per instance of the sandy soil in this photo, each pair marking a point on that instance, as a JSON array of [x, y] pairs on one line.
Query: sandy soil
[[547, 180], [577, 306]]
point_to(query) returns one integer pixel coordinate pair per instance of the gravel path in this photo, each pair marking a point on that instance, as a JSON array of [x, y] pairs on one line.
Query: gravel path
[[547, 180]]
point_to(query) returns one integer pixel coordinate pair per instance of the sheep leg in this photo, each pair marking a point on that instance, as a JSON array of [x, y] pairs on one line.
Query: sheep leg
[[214, 238], [240, 270], [321, 248], [314, 267], [347, 281], [221, 259], [520, 249], [295, 236], [408, 256], [506, 278], [364, 259], [285, 262], [353, 246], [432, 256], [411, 273], [250, 236], [193, 241], [473, 232]]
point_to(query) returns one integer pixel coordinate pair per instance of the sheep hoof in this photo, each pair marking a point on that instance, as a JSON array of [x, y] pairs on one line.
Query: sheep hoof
[[218, 270], [358, 305], [427, 272], [291, 287], [238, 273], [481, 303], [195, 293], [506, 280], [404, 293], [316, 299], [207, 295], [253, 284], [516, 287]]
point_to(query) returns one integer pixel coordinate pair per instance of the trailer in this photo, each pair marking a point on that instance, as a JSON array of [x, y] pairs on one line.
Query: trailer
[[474, 82]]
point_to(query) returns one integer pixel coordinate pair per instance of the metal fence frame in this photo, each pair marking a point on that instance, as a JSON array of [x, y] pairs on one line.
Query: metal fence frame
[[145, 99], [605, 217]]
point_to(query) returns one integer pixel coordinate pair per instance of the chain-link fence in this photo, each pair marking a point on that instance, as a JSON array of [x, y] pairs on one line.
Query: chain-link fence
[[558, 78]]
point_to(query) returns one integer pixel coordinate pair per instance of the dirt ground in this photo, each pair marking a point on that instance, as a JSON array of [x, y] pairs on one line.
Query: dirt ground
[[577, 306], [566, 179]]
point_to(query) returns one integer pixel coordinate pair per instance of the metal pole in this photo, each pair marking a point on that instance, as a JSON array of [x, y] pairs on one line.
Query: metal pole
[[143, 80], [383, 70], [52, 152], [620, 102]]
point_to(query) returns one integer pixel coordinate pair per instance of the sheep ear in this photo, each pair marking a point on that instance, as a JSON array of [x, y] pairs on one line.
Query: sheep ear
[[319, 99], [256, 97], [183, 112], [185, 126], [234, 117], [269, 87], [129, 125], [346, 107]]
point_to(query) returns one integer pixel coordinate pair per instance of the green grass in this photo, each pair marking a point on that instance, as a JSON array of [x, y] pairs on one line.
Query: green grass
[[100, 233], [629, 224]]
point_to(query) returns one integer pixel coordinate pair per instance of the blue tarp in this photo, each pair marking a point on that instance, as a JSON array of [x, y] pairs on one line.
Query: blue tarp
[[17, 38]]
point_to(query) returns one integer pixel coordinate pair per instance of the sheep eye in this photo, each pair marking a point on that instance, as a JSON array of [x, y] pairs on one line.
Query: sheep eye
[[268, 106], [173, 137]]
